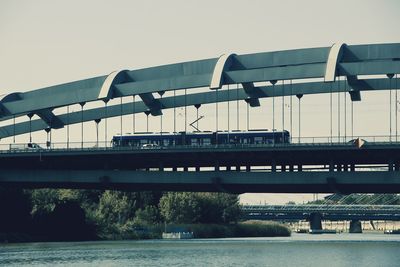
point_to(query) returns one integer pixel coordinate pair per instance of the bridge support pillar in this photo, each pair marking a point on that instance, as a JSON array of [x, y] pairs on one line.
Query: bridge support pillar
[[331, 166], [273, 166], [390, 166], [352, 167], [315, 221], [216, 166], [345, 167], [355, 227], [299, 168], [339, 167]]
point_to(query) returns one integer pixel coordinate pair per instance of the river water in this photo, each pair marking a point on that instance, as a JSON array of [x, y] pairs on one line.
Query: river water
[[297, 250]]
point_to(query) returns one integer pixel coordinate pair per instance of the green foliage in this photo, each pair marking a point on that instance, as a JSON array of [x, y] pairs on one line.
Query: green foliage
[[247, 229], [44, 201], [147, 216], [258, 228], [200, 207], [122, 215], [180, 207]]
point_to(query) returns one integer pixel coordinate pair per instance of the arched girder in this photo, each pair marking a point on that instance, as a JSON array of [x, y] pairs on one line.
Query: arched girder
[[244, 69], [335, 55], [223, 65], [224, 62], [5, 99], [197, 98], [106, 90]]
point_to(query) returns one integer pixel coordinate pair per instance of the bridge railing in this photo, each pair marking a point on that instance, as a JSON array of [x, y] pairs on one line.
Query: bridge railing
[[107, 145]]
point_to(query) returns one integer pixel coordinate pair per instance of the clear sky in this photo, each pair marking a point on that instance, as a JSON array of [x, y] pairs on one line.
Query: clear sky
[[47, 42]]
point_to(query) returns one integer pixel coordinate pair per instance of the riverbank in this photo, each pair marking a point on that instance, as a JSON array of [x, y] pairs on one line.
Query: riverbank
[[243, 229]]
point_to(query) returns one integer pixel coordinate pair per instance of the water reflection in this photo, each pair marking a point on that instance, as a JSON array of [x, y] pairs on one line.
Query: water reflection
[[298, 250]]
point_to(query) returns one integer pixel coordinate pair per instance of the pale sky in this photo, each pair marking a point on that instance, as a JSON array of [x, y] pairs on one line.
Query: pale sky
[[48, 42]]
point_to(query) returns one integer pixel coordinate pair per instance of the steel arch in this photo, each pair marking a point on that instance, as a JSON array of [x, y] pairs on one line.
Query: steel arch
[[324, 64]]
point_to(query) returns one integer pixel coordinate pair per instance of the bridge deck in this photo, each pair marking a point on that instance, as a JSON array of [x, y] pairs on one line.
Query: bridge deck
[[286, 168], [318, 156]]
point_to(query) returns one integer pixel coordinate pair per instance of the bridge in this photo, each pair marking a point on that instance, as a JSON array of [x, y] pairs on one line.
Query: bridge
[[330, 164], [328, 212]]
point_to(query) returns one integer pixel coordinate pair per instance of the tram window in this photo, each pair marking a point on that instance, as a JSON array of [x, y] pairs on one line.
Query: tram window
[[245, 140], [166, 142], [143, 141], [258, 140], [193, 141], [206, 141]]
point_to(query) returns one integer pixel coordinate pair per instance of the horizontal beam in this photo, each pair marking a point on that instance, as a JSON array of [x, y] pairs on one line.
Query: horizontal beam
[[225, 181]]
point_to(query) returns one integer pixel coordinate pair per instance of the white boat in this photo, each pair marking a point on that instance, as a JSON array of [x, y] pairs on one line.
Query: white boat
[[177, 235]]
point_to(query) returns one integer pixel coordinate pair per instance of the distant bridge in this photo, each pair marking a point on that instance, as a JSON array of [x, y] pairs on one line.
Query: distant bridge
[[329, 212]]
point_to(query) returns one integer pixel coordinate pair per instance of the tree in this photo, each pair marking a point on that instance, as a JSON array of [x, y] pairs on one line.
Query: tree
[[147, 216], [180, 207], [200, 207]]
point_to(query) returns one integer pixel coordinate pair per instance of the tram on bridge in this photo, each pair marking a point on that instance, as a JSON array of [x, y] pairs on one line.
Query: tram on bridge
[[152, 140]]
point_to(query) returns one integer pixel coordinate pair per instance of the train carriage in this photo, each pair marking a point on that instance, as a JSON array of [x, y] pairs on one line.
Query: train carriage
[[254, 137]]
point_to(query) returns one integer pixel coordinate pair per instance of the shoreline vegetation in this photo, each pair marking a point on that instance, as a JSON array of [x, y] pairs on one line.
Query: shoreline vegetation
[[240, 229], [42, 215]]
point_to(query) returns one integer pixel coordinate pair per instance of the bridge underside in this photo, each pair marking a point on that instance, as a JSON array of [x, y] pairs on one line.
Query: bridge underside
[[212, 181]]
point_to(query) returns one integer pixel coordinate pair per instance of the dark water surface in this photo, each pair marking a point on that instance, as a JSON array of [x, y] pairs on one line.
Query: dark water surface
[[298, 250]]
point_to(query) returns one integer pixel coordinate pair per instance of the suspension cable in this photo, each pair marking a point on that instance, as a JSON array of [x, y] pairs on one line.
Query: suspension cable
[[237, 106], [390, 108], [291, 110], [338, 109], [14, 129], [299, 96], [331, 112], [82, 104], [352, 119], [161, 118], [133, 115], [68, 126], [273, 113], [30, 115], [216, 116], [174, 113], [345, 107], [228, 113], [396, 104], [283, 109], [248, 116], [185, 110], [105, 122], [121, 120]]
